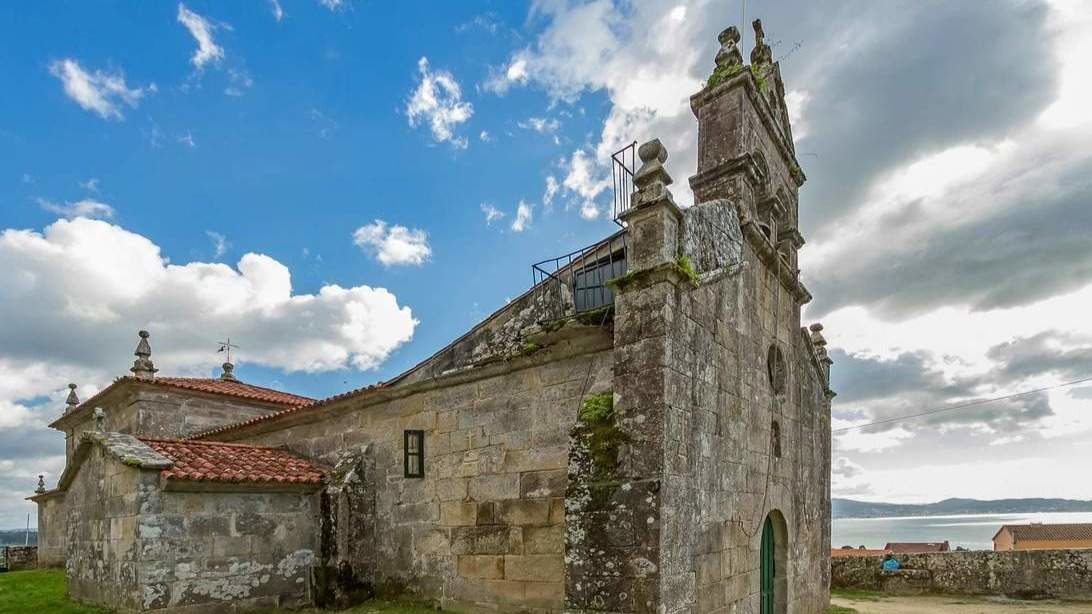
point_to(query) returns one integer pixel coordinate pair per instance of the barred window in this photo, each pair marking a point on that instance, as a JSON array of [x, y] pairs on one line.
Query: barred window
[[414, 454]]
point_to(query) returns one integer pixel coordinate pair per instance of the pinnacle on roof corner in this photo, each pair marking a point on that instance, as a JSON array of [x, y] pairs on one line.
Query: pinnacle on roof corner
[[143, 368], [73, 399]]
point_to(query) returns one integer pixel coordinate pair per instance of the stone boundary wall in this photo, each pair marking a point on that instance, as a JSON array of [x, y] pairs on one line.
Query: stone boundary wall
[[1059, 574], [16, 558]]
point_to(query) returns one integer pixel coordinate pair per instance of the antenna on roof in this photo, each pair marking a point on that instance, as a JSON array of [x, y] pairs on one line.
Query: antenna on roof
[[226, 346]]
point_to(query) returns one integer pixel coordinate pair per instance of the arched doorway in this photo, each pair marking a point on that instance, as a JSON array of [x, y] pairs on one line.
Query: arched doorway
[[768, 568], [773, 579]]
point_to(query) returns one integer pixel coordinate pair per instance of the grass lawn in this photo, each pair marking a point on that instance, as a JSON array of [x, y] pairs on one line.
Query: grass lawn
[[837, 609], [41, 591]]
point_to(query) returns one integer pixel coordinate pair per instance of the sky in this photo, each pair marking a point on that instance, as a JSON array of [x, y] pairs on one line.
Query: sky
[[342, 187]]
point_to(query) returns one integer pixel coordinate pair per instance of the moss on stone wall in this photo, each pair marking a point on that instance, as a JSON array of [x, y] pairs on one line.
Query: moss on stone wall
[[722, 74], [600, 431]]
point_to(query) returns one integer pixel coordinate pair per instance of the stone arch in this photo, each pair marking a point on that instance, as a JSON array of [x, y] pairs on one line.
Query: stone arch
[[773, 565], [776, 370]]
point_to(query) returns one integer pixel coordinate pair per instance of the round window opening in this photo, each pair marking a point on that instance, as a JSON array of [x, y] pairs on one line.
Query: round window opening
[[775, 369]]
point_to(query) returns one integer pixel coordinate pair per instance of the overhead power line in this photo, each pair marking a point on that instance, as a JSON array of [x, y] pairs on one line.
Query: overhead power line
[[975, 403]]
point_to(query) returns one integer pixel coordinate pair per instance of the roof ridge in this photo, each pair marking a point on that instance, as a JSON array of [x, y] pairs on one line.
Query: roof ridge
[[212, 443], [236, 382]]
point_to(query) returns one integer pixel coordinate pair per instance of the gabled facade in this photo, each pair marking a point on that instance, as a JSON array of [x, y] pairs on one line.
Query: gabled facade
[[658, 441]]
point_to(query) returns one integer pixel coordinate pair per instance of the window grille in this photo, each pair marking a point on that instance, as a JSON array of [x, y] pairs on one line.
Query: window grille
[[414, 454]]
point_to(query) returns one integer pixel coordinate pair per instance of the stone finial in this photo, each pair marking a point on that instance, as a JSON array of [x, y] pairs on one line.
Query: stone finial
[[652, 179], [100, 420], [761, 55], [228, 375], [73, 400], [817, 338], [143, 368], [729, 54], [41, 485]]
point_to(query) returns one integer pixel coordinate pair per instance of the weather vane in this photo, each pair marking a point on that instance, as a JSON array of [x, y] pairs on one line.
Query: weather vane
[[226, 346]]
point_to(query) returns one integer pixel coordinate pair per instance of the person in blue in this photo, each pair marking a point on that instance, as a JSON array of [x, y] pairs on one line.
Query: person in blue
[[890, 563]]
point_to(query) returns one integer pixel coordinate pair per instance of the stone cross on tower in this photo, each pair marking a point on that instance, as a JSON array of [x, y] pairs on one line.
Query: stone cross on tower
[[143, 368]]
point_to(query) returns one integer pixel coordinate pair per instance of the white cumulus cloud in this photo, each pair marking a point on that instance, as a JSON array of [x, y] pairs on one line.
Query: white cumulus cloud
[[82, 208], [492, 213], [438, 102], [99, 91], [393, 245], [524, 215], [201, 29]]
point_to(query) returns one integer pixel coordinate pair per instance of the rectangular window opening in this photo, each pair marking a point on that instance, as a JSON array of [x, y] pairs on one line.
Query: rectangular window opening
[[414, 454]]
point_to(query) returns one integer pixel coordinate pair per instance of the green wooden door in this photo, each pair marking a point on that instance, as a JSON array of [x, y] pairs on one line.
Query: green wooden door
[[767, 568]]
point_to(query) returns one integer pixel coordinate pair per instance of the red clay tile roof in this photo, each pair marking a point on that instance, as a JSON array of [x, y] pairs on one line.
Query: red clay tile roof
[[839, 553], [233, 462], [917, 547], [234, 389], [198, 384], [1050, 532]]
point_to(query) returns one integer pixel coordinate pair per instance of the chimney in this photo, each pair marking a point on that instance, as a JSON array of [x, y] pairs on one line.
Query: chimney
[[143, 368]]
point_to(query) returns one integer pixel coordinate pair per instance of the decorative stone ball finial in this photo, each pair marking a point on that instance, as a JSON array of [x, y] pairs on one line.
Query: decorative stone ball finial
[[41, 484], [729, 54], [651, 180], [228, 375], [100, 420], [143, 368], [73, 399]]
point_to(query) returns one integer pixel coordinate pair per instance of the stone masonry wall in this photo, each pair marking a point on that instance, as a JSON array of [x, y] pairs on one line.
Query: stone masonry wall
[[1060, 574], [724, 473], [51, 530], [484, 528], [102, 506], [155, 411], [133, 547], [202, 551], [15, 558]]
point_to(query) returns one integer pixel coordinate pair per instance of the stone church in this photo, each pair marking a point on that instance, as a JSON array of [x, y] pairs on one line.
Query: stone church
[[647, 429]]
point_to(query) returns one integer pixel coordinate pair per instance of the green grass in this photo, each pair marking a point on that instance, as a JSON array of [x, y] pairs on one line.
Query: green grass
[[854, 594], [39, 590], [42, 591], [837, 609]]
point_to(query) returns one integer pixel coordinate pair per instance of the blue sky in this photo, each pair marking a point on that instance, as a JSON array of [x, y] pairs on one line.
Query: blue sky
[[315, 144], [337, 186]]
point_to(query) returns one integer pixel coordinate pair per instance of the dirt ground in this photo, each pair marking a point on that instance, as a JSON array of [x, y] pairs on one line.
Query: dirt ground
[[958, 605]]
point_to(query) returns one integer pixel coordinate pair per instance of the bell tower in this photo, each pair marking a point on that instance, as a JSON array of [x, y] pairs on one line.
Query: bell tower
[[746, 153]]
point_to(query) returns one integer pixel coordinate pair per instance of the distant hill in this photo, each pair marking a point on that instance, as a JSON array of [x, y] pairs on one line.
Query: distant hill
[[848, 508], [16, 537]]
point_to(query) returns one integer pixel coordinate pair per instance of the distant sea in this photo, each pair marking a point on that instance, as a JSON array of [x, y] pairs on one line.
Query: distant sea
[[971, 531]]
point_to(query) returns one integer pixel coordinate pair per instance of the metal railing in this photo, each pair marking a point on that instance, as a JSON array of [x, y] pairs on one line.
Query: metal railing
[[623, 165], [585, 272]]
